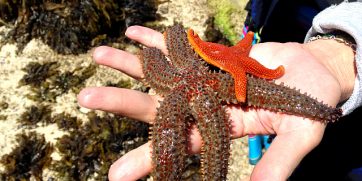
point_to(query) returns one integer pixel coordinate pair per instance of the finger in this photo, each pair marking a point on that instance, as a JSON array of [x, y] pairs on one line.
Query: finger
[[246, 121], [130, 103], [264, 53], [133, 165], [147, 36], [285, 153], [138, 162], [118, 59]]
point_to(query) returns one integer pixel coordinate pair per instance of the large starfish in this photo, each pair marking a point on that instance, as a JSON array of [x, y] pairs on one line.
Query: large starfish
[[234, 60], [195, 95]]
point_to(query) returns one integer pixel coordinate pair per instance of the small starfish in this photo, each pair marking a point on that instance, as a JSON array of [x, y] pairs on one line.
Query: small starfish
[[234, 60]]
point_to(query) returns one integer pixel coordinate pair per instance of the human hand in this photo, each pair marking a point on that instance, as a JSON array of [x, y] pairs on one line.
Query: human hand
[[296, 136]]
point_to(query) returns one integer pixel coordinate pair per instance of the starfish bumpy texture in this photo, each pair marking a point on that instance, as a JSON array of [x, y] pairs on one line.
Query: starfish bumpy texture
[[234, 60], [193, 94]]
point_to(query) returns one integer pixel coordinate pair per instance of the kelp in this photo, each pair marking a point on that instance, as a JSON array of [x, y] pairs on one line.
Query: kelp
[[73, 27], [28, 158], [47, 82], [94, 146]]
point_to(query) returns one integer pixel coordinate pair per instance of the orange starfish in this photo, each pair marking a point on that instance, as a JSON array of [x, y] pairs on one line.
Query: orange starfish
[[234, 60]]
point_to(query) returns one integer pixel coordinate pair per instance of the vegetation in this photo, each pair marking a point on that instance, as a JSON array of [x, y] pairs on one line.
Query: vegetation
[[72, 27]]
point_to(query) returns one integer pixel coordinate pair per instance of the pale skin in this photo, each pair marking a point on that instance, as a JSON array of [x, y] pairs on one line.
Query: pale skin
[[323, 68]]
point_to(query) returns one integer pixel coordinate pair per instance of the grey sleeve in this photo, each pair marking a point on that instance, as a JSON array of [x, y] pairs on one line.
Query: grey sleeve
[[346, 17]]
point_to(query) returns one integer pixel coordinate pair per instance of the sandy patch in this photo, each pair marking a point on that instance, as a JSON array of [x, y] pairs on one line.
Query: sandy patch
[[192, 13]]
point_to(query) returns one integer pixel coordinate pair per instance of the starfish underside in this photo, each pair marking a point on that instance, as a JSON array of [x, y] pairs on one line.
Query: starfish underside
[[195, 95]]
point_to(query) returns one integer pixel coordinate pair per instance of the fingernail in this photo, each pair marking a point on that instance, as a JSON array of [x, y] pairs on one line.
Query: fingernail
[[122, 169], [99, 53], [84, 96], [92, 52], [132, 31]]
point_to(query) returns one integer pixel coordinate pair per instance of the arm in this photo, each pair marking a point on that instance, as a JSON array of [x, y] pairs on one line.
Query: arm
[[345, 17]]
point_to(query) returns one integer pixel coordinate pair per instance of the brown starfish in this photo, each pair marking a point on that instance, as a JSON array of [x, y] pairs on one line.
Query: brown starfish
[[195, 95]]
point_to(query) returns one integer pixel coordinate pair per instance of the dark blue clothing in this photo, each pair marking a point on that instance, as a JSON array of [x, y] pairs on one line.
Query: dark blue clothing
[[284, 20], [338, 156]]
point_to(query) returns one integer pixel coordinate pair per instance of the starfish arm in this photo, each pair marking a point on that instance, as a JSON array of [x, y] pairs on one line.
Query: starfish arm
[[220, 55], [179, 50], [223, 84], [214, 127], [240, 81], [158, 72], [279, 98], [245, 44], [212, 53], [169, 138], [255, 68]]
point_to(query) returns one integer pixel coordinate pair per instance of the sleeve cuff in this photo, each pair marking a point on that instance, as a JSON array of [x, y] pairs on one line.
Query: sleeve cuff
[[344, 17]]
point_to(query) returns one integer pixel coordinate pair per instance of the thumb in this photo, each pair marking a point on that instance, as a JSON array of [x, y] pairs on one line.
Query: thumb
[[285, 153]]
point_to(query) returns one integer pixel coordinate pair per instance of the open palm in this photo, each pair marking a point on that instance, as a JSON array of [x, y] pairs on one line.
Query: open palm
[[296, 136]]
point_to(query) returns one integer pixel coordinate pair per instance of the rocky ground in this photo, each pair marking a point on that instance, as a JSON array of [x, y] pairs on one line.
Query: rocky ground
[[192, 13]]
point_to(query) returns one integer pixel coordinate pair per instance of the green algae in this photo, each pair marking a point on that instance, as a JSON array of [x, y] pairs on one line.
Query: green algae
[[225, 14]]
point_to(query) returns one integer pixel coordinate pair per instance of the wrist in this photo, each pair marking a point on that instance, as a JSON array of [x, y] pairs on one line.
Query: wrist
[[338, 58]]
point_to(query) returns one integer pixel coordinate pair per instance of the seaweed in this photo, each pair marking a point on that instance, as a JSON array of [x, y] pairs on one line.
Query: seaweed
[[124, 83], [93, 147], [3, 117], [73, 27], [42, 114], [225, 10], [66, 122], [4, 105], [47, 82], [73, 79], [28, 158], [37, 73], [212, 34], [89, 149], [35, 114]]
